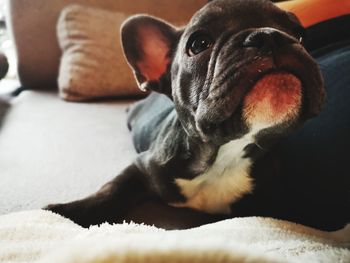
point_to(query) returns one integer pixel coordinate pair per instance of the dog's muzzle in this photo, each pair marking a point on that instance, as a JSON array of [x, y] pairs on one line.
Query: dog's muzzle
[[274, 99]]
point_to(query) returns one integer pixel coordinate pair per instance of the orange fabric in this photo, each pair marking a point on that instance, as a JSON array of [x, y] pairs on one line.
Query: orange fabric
[[311, 12]]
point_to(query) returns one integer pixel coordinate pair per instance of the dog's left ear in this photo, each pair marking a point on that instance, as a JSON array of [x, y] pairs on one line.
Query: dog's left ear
[[148, 45]]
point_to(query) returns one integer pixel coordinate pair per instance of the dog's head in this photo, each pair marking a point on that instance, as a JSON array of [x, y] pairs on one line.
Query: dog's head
[[238, 67]]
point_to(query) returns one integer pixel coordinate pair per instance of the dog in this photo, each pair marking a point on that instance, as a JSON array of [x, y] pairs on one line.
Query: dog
[[225, 90]]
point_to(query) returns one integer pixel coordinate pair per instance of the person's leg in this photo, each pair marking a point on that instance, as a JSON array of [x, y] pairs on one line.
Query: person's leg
[[145, 118], [316, 159]]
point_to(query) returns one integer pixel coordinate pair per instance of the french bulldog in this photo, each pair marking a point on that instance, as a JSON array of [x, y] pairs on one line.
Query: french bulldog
[[225, 90]]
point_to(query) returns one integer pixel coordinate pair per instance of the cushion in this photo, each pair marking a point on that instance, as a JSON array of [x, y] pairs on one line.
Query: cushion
[[92, 63], [33, 27], [311, 12]]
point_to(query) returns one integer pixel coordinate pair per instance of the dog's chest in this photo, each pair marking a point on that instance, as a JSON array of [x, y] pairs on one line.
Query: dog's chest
[[226, 181]]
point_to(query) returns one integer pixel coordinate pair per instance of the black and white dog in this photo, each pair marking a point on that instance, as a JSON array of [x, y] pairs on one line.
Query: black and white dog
[[228, 87]]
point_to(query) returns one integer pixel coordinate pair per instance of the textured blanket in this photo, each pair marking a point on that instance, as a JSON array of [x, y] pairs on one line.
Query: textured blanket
[[41, 236]]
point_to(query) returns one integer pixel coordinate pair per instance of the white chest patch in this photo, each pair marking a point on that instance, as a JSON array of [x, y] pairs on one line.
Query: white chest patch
[[226, 181]]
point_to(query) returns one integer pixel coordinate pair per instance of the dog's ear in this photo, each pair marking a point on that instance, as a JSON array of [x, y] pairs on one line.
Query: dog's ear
[[148, 45]]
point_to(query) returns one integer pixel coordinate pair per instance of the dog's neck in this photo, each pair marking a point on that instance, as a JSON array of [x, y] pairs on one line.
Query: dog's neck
[[225, 181]]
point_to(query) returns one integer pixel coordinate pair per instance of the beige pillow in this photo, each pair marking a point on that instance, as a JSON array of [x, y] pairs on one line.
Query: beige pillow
[[92, 63]]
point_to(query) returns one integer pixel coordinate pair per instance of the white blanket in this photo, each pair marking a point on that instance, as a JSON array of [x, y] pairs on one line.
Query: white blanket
[[42, 236]]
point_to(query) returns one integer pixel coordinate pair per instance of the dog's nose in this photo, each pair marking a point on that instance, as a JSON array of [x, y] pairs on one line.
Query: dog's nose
[[266, 38]]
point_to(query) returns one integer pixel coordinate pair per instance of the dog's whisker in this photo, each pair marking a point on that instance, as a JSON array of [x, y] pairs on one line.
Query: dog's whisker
[[259, 146], [322, 66]]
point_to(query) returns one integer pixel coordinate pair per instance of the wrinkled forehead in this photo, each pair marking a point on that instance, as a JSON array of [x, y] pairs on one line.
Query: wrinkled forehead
[[240, 14]]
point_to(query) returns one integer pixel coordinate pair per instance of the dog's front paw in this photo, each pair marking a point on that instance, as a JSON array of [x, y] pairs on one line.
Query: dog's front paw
[[61, 209], [56, 208], [70, 211]]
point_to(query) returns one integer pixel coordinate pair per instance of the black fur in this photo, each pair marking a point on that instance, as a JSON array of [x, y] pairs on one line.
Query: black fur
[[178, 133]]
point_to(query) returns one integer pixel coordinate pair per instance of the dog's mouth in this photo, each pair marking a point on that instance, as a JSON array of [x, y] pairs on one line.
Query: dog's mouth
[[275, 98]]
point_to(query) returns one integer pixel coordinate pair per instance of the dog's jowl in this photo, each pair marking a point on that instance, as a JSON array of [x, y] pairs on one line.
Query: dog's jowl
[[225, 90]]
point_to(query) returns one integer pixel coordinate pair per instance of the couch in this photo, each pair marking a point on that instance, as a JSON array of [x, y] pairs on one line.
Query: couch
[[48, 146], [53, 150]]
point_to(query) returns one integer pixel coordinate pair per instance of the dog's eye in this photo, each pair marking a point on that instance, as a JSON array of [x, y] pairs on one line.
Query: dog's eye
[[198, 43]]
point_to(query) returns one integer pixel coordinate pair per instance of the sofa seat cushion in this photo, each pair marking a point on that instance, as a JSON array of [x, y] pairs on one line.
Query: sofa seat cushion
[[55, 151]]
